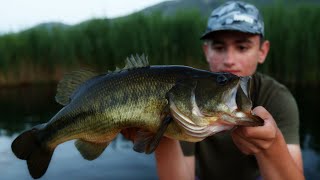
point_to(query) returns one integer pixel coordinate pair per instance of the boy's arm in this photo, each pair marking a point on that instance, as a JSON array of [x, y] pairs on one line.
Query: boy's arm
[[171, 162]]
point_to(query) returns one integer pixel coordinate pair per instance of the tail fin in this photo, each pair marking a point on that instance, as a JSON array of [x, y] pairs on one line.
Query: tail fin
[[27, 147]]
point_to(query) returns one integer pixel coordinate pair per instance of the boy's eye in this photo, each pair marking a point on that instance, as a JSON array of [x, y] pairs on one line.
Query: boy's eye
[[243, 48], [218, 48]]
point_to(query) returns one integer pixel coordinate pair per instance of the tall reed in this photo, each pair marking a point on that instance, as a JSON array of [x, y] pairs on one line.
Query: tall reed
[[45, 52]]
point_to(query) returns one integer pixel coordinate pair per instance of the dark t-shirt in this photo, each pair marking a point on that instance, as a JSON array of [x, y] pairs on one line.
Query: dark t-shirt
[[217, 157]]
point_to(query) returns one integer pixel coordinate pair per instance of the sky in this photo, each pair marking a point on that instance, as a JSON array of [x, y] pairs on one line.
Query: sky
[[16, 15]]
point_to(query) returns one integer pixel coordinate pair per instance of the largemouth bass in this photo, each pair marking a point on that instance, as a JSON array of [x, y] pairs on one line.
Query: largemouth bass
[[178, 102]]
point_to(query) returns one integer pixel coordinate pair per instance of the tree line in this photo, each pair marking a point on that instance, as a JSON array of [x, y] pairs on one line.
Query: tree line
[[44, 53]]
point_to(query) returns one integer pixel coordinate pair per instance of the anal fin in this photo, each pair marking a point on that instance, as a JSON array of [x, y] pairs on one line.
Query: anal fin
[[90, 150]]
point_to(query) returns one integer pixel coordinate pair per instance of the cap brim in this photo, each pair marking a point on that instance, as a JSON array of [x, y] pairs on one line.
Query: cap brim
[[229, 28]]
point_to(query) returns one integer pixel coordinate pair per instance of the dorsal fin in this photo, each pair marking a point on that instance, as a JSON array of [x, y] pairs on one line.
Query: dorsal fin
[[136, 62], [69, 83], [117, 69], [132, 62]]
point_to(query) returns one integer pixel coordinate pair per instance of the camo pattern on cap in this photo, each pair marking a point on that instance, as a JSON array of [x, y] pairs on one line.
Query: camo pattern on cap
[[235, 15]]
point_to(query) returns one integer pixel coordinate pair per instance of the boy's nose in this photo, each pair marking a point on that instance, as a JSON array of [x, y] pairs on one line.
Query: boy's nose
[[229, 60]]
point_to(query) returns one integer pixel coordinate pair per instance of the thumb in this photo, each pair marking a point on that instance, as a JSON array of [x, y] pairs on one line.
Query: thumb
[[265, 115], [262, 113]]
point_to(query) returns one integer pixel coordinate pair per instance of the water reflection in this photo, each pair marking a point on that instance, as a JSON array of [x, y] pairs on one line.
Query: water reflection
[[117, 162], [22, 108], [26, 106]]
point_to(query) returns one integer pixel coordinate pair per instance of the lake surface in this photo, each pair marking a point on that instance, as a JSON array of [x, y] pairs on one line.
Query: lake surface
[[23, 107]]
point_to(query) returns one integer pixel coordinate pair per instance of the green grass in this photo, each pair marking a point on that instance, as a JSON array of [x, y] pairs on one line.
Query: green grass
[[43, 53]]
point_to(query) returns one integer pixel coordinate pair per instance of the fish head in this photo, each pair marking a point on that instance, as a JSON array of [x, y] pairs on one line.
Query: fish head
[[226, 100], [217, 93], [216, 103]]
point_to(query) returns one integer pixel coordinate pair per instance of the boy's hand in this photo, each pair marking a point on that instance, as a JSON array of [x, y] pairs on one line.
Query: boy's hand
[[252, 140]]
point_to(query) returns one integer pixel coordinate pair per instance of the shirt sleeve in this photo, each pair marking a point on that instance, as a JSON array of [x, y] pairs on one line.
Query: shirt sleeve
[[284, 110]]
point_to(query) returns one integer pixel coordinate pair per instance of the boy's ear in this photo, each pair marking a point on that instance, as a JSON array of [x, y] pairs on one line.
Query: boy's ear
[[264, 49], [205, 47]]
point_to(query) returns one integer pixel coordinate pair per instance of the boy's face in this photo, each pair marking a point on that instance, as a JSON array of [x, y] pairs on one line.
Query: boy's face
[[235, 52]]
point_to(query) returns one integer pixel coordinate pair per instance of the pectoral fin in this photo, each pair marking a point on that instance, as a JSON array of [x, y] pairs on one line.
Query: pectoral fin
[[90, 150], [142, 141], [146, 141]]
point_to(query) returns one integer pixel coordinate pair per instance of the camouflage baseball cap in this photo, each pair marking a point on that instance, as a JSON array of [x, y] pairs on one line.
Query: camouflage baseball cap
[[235, 15]]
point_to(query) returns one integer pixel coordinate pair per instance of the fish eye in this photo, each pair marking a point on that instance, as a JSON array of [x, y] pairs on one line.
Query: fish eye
[[222, 79]]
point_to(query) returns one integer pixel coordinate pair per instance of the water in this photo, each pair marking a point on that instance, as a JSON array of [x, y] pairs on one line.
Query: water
[[21, 108]]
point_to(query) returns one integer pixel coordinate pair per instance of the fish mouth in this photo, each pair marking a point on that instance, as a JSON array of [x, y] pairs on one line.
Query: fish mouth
[[203, 125], [239, 103], [198, 131]]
